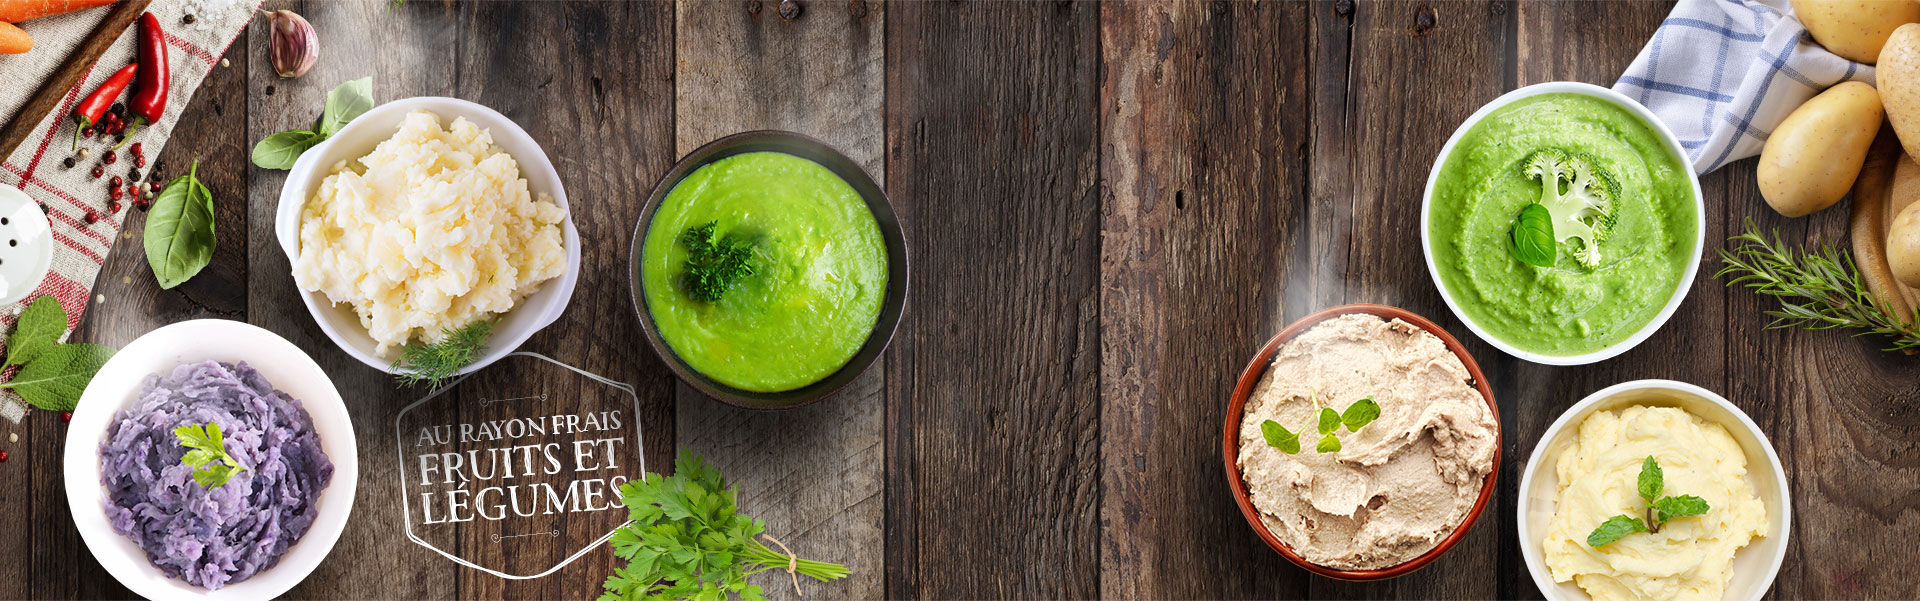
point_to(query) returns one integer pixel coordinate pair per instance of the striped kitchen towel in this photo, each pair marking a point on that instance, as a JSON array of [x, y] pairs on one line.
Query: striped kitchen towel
[[1723, 73], [80, 247]]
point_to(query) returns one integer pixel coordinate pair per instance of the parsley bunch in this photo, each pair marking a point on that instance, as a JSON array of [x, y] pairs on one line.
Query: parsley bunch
[[688, 539], [209, 455], [714, 264], [1659, 509]]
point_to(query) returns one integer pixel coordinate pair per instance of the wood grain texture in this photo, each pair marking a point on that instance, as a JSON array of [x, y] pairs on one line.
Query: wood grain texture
[[993, 164], [1206, 191], [814, 474]]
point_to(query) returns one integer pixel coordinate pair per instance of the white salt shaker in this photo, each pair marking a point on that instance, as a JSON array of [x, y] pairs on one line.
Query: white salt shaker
[[26, 245]]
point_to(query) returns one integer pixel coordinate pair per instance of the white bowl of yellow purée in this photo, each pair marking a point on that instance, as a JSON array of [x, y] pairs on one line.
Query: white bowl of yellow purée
[[358, 139], [1753, 566]]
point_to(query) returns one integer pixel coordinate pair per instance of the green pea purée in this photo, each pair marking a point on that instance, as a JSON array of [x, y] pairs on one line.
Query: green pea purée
[[1563, 309], [819, 272]]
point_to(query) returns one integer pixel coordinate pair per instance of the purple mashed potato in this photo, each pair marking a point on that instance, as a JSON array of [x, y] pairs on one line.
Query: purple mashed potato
[[212, 538]]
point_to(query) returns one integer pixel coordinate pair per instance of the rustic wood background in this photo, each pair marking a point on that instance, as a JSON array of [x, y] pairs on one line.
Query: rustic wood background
[[1110, 207]]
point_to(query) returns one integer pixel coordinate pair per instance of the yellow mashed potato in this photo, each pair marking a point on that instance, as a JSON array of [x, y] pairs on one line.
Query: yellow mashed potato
[[1690, 558], [433, 231]]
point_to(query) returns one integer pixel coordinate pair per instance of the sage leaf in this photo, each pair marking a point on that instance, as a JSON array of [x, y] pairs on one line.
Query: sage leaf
[[179, 235], [1651, 479], [281, 150], [344, 103], [1679, 507], [54, 380], [38, 329], [1329, 420], [1328, 444], [1278, 437], [1614, 528], [1360, 413], [1533, 241]]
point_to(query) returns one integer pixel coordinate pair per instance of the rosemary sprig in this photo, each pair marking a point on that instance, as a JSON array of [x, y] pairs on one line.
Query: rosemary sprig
[[1817, 290], [433, 364]]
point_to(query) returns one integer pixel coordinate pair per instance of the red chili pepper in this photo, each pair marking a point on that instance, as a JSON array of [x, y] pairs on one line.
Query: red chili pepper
[[149, 100], [89, 111]]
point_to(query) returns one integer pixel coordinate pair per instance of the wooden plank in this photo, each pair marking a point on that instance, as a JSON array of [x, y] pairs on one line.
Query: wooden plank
[[1206, 181], [410, 61], [1391, 82], [813, 474], [993, 397]]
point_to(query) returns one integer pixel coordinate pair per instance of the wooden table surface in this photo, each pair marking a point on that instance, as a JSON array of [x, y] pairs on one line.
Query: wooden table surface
[[1109, 206]]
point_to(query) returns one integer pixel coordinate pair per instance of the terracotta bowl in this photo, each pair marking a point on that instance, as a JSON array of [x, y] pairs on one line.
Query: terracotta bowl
[[1250, 377]]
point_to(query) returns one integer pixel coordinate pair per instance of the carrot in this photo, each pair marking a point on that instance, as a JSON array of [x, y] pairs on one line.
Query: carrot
[[15, 11], [14, 40]]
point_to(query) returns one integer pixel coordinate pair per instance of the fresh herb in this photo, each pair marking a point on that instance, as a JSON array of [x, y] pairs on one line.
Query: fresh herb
[[1533, 236], [714, 264], [180, 237], [688, 539], [1660, 509], [1817, 290], [345, 103], [1360, 413], [1329, 420], [208, 447], [52, 375], [435, 363], [1328, 444], [1279, 437]]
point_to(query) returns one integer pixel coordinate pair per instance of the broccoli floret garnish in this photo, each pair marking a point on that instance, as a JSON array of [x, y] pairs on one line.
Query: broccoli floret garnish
[[1584, 211]]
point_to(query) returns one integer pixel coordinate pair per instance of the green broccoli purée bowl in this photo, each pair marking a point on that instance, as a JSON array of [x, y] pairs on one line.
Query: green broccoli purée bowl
[[768, 270], [1562, 223]]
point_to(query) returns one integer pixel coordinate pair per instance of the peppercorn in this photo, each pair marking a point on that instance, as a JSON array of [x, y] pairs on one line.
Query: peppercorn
[[159, 165], [135, 149], [113, 207], [66, 416], [68, 163], [90, 218], [115, 193], [139, 161], [85, 151], [187, 19], [116, 181], [110, 158], [3, 456], [88, 132], [154, 185], [98, 171], [133, 175]]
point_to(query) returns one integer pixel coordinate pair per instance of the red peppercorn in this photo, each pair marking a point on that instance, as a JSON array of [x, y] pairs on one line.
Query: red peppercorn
[[139, 161], [110, 158], [136, 149], [66, 416], [3, 455], [117, 181], [155, 186], [91, 217], [88, 132], [114, 193], [133, 190], [99, 171], [114, 206]]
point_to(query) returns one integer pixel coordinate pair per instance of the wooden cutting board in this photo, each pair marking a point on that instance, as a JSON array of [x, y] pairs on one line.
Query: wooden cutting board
[[1888, 182]]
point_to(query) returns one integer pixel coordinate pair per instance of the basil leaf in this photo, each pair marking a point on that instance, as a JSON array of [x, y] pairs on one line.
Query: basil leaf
[[1679, 507], [1651, 479], [38, 329], [1329, 420], [1278, 437], [1328, 444], [54, 380], [279, 151], [1533, 240], [180, 236], [1360, 413], [1614, 528], [344, 103]]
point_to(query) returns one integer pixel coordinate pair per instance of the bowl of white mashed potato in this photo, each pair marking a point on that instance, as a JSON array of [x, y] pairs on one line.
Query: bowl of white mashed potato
[[422, 217], [1594, 467]]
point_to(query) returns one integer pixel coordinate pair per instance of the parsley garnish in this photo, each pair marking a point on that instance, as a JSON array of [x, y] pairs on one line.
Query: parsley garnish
[[689, 540], [208, 447], [435, 363], [1659, 509], [714, 263]]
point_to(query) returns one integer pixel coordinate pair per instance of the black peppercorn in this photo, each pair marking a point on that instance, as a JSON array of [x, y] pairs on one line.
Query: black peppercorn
[[68, 163], [133, 175], [187, 19]]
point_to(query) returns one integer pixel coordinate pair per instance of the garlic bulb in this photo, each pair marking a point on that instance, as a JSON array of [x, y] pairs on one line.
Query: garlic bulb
[[292, 46]]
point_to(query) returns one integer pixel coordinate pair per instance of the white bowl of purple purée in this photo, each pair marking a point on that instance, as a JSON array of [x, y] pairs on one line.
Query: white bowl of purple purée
[[120, 386]]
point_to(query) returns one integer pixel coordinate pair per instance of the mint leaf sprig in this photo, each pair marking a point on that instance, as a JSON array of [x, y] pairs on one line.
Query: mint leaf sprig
[[1358, 415], [1660, 510], [213, 466]]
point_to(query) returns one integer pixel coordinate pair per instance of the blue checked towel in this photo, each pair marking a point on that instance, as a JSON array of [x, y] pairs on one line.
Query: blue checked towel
[[1723, 73]]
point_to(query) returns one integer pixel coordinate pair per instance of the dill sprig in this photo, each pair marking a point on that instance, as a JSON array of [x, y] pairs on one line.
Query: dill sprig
[[714, 264], [435, 363], [1817, 290]]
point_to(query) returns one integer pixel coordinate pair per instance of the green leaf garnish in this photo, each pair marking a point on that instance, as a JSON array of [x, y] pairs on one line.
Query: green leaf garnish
[[1614, 528], [714, 263], [38, 329], [180, 231], [208, 446], [1329, 420], [1533, 236], [1278, 437], [1679, 507], [1651, 479], [438, 362], [1328, 444], [1360, 413], [52, 375]]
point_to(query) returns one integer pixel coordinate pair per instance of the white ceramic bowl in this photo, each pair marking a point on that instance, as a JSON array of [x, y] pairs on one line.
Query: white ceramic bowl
[[1672, 145], [118, 385], [358, 139], [1754, 566]]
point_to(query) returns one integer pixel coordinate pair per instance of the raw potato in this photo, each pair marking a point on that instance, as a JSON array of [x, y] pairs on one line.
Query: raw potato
[[1899, 78], [1855, 29], [1813, 157], [1903, 246]]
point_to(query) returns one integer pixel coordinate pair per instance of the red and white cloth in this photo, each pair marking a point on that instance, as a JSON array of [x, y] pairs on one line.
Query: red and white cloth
[[194, 50]]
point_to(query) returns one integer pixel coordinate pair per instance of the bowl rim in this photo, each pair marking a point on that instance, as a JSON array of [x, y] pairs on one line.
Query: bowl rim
[[1257, 368], [1531, 553], [1667, 138], [328, 410], [308, 171], [875, 196]]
